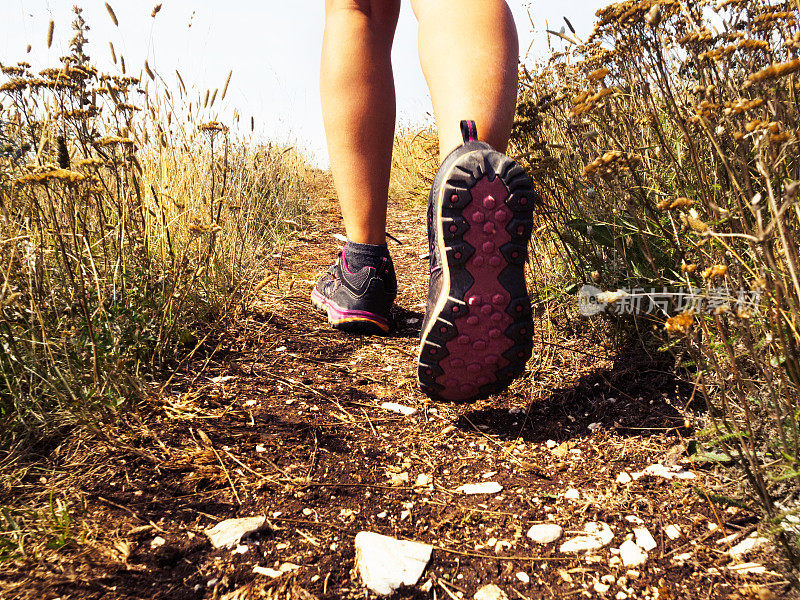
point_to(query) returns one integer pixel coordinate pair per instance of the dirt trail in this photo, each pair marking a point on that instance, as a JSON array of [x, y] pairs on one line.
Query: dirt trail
[[284, 419]]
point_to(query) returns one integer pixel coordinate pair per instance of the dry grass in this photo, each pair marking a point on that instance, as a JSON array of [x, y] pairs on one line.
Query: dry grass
[[130, 218], [415, 158], [666, 147]]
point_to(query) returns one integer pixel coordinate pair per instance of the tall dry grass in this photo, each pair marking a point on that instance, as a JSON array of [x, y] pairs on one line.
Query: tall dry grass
[[129, 218], [666, 146]]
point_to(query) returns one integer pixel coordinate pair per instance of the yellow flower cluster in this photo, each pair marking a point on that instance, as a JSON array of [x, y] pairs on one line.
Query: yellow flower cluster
[[609, 163], [58, 174]]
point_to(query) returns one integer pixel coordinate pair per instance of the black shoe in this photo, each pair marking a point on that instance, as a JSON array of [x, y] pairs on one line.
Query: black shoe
[[358, 302], [477, 333]]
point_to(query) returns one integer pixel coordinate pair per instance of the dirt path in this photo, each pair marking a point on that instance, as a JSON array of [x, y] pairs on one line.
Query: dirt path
[[284, 419]]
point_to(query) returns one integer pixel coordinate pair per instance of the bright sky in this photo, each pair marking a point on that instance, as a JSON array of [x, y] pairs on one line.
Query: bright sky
[[273, 47]]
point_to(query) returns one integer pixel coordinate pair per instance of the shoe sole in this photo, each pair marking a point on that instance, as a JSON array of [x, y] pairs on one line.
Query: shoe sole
[[479, 337], [352, 321]]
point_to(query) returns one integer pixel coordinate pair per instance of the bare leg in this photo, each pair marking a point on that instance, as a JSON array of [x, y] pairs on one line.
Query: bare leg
[[469, 53], [358, 107]]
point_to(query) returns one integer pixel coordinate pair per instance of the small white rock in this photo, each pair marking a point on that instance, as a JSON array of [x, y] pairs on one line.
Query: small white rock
[[634, 519], [385, 563], [572, 494], [488, 487], [399, 408], [523, 577], [266, 571], [157, 542], [623, 478], [599, 535], [621, 596], [676, 472], [594, 426], [423, 480], [601, 588], [673, 532], [679, 559], [241, 549], [490, 592], [228, 533], [550, 444], [631, 554], [644, 539], [746, 546], [545, 533]]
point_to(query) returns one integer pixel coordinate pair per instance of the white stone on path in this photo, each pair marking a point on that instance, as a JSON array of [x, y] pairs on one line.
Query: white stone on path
[[228, 533], [399, 408], [488, 487], [673, 532], [284, 568], [545, 533], [385, 563], [623, 478], [597, 535], [523, 577], [676, 472], [490, 592], [644, 540], [746, 546], [572, 494], [634, 519], [631, 554]]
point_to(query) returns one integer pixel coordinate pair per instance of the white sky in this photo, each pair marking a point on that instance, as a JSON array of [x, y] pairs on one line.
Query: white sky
[[273, 47]]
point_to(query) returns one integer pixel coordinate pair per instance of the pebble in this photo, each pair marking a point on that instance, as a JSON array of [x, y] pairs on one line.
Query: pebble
[[228, 533], [572, 494], [746, 546], [523, 577], [488, 487], [550, 444], [601, 588], [598, 535], [490, 592], [644, 539], [545, 533], [623, 478], [284, 568], [157, 542], [673, 532], [634, 519], [631, 554], [399, 408], [676, 472], [385, 563]]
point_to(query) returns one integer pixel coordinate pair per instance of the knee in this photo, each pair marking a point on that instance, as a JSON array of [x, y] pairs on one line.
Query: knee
[[380, 13]]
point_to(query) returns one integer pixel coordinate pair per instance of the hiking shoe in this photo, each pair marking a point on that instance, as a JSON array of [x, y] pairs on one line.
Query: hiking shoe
[[357, 302], [477, 333]]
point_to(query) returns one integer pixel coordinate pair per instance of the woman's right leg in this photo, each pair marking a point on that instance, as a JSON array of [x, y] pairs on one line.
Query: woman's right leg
[[358, 108]]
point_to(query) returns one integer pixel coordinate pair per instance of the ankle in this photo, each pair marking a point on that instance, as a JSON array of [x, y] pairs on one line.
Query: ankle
[[357, 256]]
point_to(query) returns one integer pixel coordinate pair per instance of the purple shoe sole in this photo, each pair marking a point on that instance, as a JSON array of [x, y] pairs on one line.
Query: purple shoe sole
[[478, 338]]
